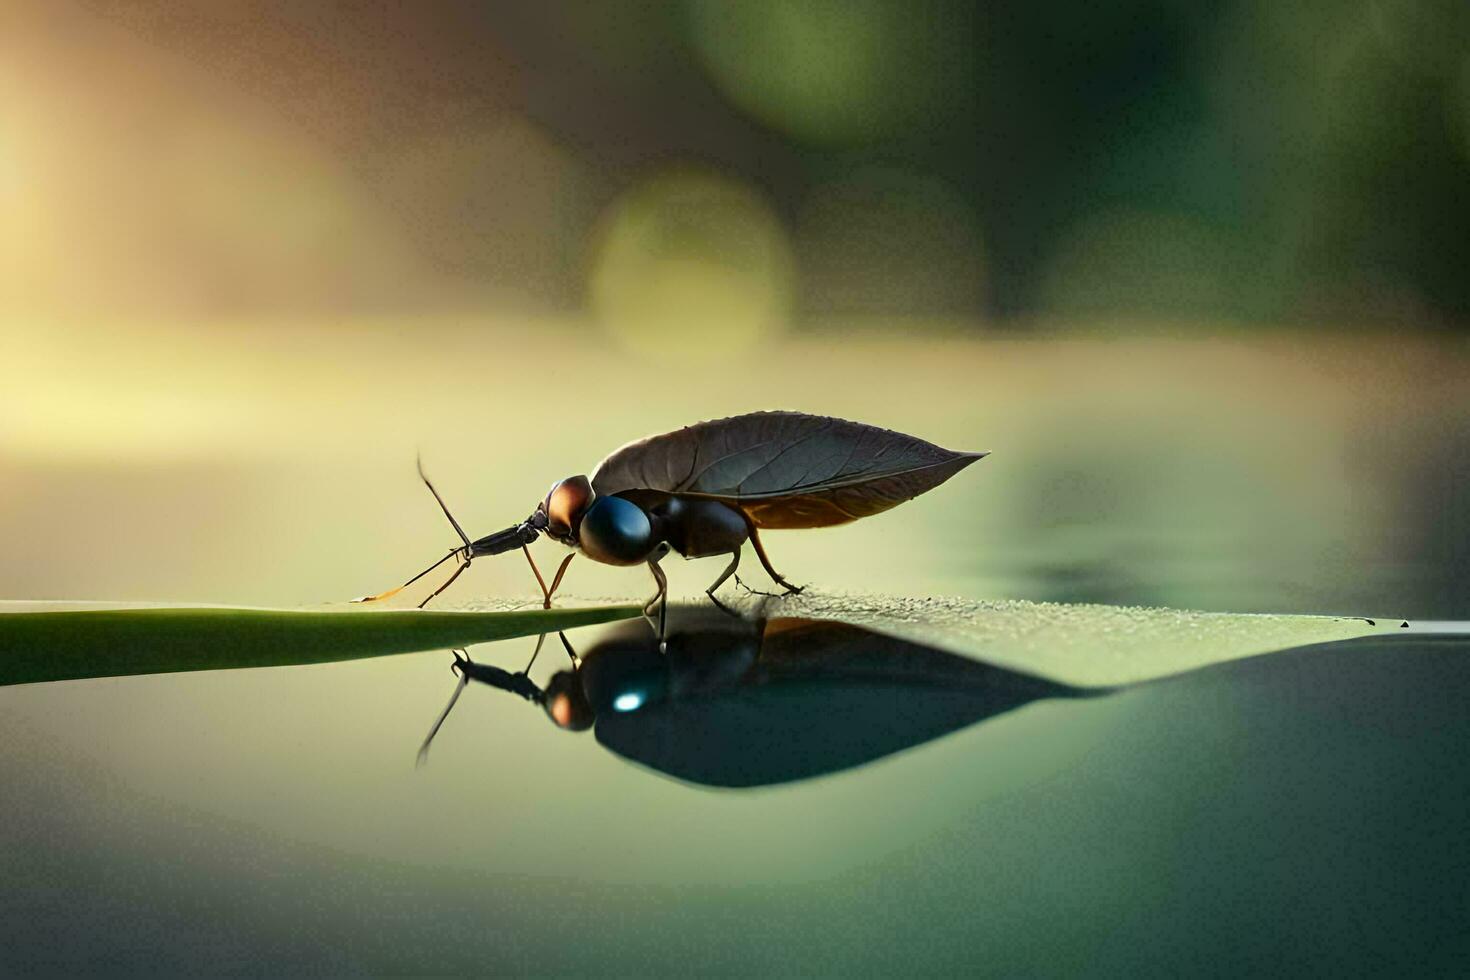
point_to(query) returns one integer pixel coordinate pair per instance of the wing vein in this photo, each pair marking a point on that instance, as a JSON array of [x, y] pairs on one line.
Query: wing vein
[[731, 455], [768, 463]]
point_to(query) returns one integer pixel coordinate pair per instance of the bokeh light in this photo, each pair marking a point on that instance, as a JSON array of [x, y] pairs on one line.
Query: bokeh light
[[1133, 264], [496, 212], [829, 72], [691, 265], [888, 242]]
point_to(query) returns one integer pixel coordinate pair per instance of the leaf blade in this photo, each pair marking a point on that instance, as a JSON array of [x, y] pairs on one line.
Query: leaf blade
[[71, 645], [1082, 645]]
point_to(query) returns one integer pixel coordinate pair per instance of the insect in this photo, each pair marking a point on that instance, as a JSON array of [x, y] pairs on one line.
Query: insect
[[738, 703], [707, 489]]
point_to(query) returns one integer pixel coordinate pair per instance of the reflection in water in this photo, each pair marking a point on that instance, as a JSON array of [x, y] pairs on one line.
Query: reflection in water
[[737, 703]]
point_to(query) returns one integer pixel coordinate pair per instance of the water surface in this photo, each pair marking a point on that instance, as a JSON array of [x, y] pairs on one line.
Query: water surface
[[1299, 811]]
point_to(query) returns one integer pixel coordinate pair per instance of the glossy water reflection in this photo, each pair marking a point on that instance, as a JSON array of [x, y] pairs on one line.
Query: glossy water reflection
[[1300, 813], [734, 703]]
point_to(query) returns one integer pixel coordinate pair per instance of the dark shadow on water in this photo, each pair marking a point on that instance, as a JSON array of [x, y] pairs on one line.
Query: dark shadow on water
[[733, 703], [1305, 813]]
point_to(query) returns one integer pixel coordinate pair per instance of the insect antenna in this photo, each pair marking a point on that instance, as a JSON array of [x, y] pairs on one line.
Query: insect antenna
[[393, 592], [442, 505], [464, 679], [465, 551], [519, 684]]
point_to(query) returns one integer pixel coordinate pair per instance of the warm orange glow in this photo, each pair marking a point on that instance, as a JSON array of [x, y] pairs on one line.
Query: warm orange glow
[[381, 595]]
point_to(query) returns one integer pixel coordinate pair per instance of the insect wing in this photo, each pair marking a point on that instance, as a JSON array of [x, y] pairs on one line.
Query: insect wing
[[785, 469]]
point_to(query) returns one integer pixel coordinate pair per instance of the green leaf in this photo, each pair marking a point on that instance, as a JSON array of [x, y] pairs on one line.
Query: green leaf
[[1081, 645], [64, 645]]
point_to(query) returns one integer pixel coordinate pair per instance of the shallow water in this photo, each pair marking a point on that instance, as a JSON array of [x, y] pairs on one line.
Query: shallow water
[[1307, 810]]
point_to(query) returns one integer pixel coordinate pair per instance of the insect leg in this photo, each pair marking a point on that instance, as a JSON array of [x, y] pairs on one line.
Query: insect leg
[[576, 661], [760, 552], [660, 598], [545, 595], [546, 602], [564, 642], [457, 572], [466, 551], [729, 570], [556, 579], [741, 582], [534, 654]]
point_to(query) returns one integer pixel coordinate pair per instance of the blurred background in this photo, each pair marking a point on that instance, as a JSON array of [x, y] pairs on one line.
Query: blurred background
[[1196, 273]]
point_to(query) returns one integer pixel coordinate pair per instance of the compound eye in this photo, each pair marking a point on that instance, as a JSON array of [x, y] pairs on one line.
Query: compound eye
[[566, 704], [615, 531], [564, 506]]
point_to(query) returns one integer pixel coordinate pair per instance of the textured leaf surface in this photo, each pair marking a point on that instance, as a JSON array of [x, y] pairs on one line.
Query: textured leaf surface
[[1081, 645], [63, 645], [785, 469]]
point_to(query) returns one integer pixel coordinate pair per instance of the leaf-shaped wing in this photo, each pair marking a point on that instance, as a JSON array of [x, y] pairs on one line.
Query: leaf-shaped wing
[[785, 469]]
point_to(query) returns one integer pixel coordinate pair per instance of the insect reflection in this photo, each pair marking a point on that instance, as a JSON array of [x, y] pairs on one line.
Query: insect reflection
[[757, 703], [708, 489]]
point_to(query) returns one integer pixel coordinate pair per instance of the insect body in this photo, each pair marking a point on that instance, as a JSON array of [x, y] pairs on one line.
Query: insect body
[[707, 489], [740, 703]]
